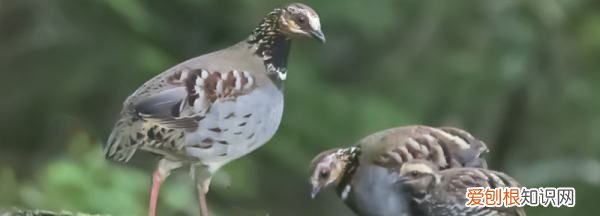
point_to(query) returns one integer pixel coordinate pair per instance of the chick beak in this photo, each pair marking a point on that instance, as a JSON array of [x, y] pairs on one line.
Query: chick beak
[[315, 191], [318, 34]]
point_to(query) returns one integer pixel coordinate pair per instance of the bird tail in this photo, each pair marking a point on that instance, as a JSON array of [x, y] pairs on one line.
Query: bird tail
[[124, 139], [474, 156]]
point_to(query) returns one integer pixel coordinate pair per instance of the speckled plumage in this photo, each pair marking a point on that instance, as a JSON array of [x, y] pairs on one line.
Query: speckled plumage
[[443, 192], [367, 182], [215, 108], [174, 113]]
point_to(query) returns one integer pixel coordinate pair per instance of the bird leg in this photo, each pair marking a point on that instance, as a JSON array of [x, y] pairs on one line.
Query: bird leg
[[160, 174], [156, 180], [202, 200], [202, 175]]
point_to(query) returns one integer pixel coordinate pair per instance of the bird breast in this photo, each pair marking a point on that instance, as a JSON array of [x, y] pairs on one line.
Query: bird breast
[[374, 194], [233, 128]]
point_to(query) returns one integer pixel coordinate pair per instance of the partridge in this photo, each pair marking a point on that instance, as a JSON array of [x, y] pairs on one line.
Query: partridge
[[444, 192], [364, 174], [214, 108]]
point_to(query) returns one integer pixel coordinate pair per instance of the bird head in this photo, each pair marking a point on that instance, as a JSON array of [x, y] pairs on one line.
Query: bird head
[[299, 20], [329, 167], [418, 176]]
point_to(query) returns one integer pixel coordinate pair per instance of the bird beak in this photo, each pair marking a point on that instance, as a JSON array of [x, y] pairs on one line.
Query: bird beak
[[401, 179], [318, 34], [314, 192]]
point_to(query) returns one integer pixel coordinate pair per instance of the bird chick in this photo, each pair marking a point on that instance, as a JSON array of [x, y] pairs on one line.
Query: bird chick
[[443, 192]]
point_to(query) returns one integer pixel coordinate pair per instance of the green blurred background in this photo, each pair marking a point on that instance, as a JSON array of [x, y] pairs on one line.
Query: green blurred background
[[523, 75]]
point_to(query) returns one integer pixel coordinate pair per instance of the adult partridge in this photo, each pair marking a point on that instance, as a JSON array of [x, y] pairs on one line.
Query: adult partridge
[[443, 192], [364, 175], [215, 108]]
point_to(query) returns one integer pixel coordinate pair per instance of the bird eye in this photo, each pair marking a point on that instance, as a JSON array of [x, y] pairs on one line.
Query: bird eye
[[323, 174], [414, 174], [301, 19]]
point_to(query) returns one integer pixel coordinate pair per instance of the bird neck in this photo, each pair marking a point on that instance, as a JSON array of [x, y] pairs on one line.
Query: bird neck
[[351, 158], [272, 46]]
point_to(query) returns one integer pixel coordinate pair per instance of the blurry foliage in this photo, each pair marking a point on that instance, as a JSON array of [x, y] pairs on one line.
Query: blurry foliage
[[83, 181], [522, 75], [39, 212]]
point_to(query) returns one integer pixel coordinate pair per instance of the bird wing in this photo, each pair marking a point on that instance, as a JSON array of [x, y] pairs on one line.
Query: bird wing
[[445, 147], [184, 106], [460, 179], [159, 119]]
